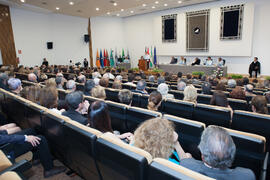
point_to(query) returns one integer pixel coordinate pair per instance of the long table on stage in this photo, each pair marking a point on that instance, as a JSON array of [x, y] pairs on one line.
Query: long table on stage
[[186, 69], [124, 65]]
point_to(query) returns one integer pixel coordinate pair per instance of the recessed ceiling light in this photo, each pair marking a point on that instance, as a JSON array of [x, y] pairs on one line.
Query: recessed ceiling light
[[179, 2], [131, 11], [108, 13], [57, 8], [122, 10], [97, 9], [71, 3], [156, 2], [117, 14], [144, 5], [165, 4], [115, 4], [153, 7], [22, 1]]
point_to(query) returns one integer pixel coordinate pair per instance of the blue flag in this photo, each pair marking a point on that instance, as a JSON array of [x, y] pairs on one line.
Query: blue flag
[[101, 59], [155, 56]]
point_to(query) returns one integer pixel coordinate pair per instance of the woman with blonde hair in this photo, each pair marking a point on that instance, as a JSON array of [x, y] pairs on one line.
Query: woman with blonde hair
[[190, 94], [98, 92], [157, 136], [154, 101]]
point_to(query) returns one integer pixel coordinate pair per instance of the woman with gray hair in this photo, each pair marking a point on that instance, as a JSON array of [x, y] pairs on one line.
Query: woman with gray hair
[[164, 89]]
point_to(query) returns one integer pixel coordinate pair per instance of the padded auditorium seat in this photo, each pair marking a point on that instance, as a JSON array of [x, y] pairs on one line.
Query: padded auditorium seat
[[212, 115], [237, 104], [125, 86], [144, 101], [177, 94], [81, 142], [189, 133], [112, 94], [136, 99], [178, 108], [120, 161], [118, 116], [253, 123], [250, 150], [268, 106], [135, 116], [5, 162], [10, 175], [164, 169], [91, 99], [204, 98], [62, 94]]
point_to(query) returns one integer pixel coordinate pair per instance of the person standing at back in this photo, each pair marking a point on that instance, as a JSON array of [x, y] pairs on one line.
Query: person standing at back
[[254, 68]]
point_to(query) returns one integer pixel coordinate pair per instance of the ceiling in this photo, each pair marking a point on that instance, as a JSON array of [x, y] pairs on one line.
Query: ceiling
[[87, 8]]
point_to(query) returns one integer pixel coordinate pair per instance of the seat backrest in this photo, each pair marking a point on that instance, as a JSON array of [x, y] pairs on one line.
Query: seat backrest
[[121, 161], [28, 83], [112, 94], [91, 99], [189, 133], [144, 101], [135, 116], [80, 149], [33, 113], [118, 116], [5, 162], [204, 98], [237, 104], [62, 94], [252, 123], [268, 106], [164, 169], [212, 115], [136, 99], [151, 89], [178, 108], [177, 94], [80, 87]]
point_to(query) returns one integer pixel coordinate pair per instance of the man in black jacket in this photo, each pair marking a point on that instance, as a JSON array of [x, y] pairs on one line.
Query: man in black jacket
[[196, 62], [27, 140], [255, 67]]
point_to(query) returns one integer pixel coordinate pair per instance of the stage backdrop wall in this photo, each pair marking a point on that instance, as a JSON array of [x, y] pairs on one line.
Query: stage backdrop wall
[[33, 30]]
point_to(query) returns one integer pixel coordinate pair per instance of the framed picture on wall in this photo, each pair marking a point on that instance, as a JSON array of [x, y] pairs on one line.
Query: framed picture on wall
[[169, 28], [231, 23]]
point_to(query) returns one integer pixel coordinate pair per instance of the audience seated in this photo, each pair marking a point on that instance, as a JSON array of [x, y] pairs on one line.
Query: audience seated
[[157, 136], [59, 82], [10, 128], [140, 88], [219, 98], [96, 74], [81, 79], [206, 88], [125, 96], [238, 93], [245, 81], [221, 87], [217, 152], [151, 79], [104, 82], [15, 85], [4, 81], [31, 93], [164, 89], [98, 92], [32, 78], [49, 99], [259, 105], [131, 77], [71, 85], [249, 90], [190, 94], [154, 101], [108, 74], [181, 85], [267, 96], [96, 80], [117, 84], [160, 80], [76, 107], [89, 85], [119, 78], [27, 140], [50, 82], [179, 76]]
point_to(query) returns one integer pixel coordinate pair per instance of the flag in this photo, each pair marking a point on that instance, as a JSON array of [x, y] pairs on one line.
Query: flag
[[105, 58], [97, 60], [123, 53], [128, 54], [101, 59], [155, 56], [111, 59], [148, 51], [116, 57], [108, 59], [151, 64]]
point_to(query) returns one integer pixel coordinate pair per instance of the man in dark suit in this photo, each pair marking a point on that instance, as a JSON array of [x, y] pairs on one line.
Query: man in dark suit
[[255, 67], [76, 106], [45, 62], [27, 140], [196, 62], [85, 63], [173, 60]]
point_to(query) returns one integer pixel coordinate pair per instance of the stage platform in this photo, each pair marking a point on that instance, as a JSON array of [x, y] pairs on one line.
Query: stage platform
[[175, 68]]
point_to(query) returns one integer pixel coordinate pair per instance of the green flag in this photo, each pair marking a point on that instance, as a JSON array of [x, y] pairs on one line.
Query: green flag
[[111, 59], [151, 64], [123, 53]]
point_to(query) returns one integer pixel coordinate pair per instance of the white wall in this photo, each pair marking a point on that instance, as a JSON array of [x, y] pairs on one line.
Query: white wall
[[33, 30]]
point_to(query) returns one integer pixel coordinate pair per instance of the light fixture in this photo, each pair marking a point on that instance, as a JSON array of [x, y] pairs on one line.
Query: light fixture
[[144, 5], [108, 13], [156, 2], [165, 5], [153, 7], [179, 2], [122, 10], [131, 11], [23, 1], [115, 4], [117, 14], [71, 3], [57, 8], [97, 9]]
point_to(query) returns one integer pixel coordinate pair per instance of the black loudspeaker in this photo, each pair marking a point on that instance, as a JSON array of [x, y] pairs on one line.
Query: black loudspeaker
[[86, 38], [49, 45]]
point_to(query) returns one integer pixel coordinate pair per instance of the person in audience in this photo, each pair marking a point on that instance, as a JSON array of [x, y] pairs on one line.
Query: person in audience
[[49, 99], [249, 90], [26, 141], [238, 93], [76, 106], [183, 61], [181, 85], [209, 61], [267, 96], [190, 94], [37, 73], [117, 84], [81, 79], [43, 77], [206, 88], [197, 61], [160, 80], [3, 81], [125, 96], [10, 128], [266, 83], [99, 92], [96, 80], [217, 152], [15, 85], [157, 136], [108, 74], [31, 93], [239, 82], [104, 82], [221, 87], [219, 98], [173, 60], [50, 82], [131, 77], [245, 81], [119, 78], [254, 68], [259, 105], [140, 88], [71, 77], [32, 77], [71, 85], [89, 85], [59, 82], [231, 83], [154, 101], [164, 89], [96, 74], [151, 79]]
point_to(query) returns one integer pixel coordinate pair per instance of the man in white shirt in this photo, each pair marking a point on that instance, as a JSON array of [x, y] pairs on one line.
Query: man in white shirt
[[208, 62], [183, 60]]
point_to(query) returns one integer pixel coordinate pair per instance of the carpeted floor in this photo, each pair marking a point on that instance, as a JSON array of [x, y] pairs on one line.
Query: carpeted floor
[[36, 173]]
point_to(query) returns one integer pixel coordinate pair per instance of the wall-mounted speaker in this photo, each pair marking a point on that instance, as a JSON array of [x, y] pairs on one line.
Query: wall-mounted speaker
[[49, 45], [86, 38]]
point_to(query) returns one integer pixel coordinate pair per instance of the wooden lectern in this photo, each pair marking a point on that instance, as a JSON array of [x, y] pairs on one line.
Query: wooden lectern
[[142, 64]]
